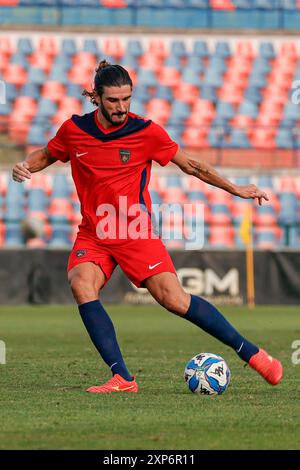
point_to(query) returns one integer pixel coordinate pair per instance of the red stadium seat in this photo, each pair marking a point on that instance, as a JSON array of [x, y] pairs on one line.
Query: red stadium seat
[[60, 207], [9, 3], [15, 74], [48, 45], [195, 137], [158, 48], [288, 184], [245, 49], [289, 49], [242, 122], [114, 3], [173, 195], [263, 138], [221, 236], [41, 61], [53, 90], [151, 62], [169, 76], [25, 106], [85, 60], [186, 92], [159, 110], [113, 47], [6, 46], [81, 76], [222, 5], [4, 61]]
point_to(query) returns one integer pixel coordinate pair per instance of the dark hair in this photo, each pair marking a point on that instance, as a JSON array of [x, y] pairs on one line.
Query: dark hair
[[107, 75]]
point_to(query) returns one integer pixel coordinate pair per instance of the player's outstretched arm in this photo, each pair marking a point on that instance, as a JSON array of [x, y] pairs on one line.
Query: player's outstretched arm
[[36, 161], [207, 173]]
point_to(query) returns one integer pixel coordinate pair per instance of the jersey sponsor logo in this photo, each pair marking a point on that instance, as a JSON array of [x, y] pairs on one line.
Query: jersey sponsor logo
[[80, 253], [124, 155], [80, 154], [152, 266]]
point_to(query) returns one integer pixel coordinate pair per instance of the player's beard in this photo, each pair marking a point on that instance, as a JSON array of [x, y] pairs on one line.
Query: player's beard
[[110, 118]]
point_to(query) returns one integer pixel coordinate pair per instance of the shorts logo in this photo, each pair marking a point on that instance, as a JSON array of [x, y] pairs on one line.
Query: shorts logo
[[124, 155], [80, 253]]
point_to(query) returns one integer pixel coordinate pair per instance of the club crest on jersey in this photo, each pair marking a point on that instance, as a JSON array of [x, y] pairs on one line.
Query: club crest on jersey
[[124, 155], [80, 253]]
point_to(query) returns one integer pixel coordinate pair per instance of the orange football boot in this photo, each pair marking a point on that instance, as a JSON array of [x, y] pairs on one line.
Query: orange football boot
[[267, 366], [115, 384]]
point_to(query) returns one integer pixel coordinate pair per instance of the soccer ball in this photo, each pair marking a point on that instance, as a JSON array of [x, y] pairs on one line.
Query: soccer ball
[[207, 374]]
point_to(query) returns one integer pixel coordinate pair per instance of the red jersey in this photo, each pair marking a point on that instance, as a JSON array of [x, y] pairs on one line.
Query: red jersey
[[111, 163]]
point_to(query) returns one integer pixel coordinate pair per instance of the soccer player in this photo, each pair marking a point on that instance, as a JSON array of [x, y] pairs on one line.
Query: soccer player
[[111, 150]]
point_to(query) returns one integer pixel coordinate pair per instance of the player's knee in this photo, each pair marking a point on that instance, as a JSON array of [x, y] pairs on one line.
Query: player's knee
[[175, 302], [82, 286]]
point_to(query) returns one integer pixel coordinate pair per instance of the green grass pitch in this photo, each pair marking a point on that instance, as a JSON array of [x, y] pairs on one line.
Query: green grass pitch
[[51, 361]]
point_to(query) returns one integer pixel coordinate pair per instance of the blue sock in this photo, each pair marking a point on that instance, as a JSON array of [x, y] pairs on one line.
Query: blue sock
[[102, 333], [207, 317]]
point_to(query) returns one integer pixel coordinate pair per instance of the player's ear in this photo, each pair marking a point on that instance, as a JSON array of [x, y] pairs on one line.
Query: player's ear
[[96, 97]]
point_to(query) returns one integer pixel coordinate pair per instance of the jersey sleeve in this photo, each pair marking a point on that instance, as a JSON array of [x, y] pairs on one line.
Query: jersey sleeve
[[161, 146], [58, 145]]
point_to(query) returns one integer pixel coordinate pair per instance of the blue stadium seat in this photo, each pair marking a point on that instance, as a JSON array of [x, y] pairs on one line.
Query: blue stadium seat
[[73, 90], [141, 93], [261, 65], [24, 46], [266, 50], [137, 107], [5, 109], [129, 61], [59, 74], [36, 76], [20, 59], [135, 48], [146, 77], [60, 186], [239, 139], [217, 63], [216, 137], [200, 49], [178, 49], [213, 78], [291, 111], [68, 46], [180, 112], [265, 181], [248, 108], [173, 61], [175, 133], [257, 80], [60, 235], [174, 181], [222, 49], [225, 110], [253, 94], [199, 4], [284, 139], [30, 89], [196, 196], [164, 93], [13, 234], [155, 197], [194, 63], [208, 92], [191, 76], [91, 45], [15, 193], [37, 200], [87, 106], [11, 92], [62, 62], [36, 136], [46, 107]]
